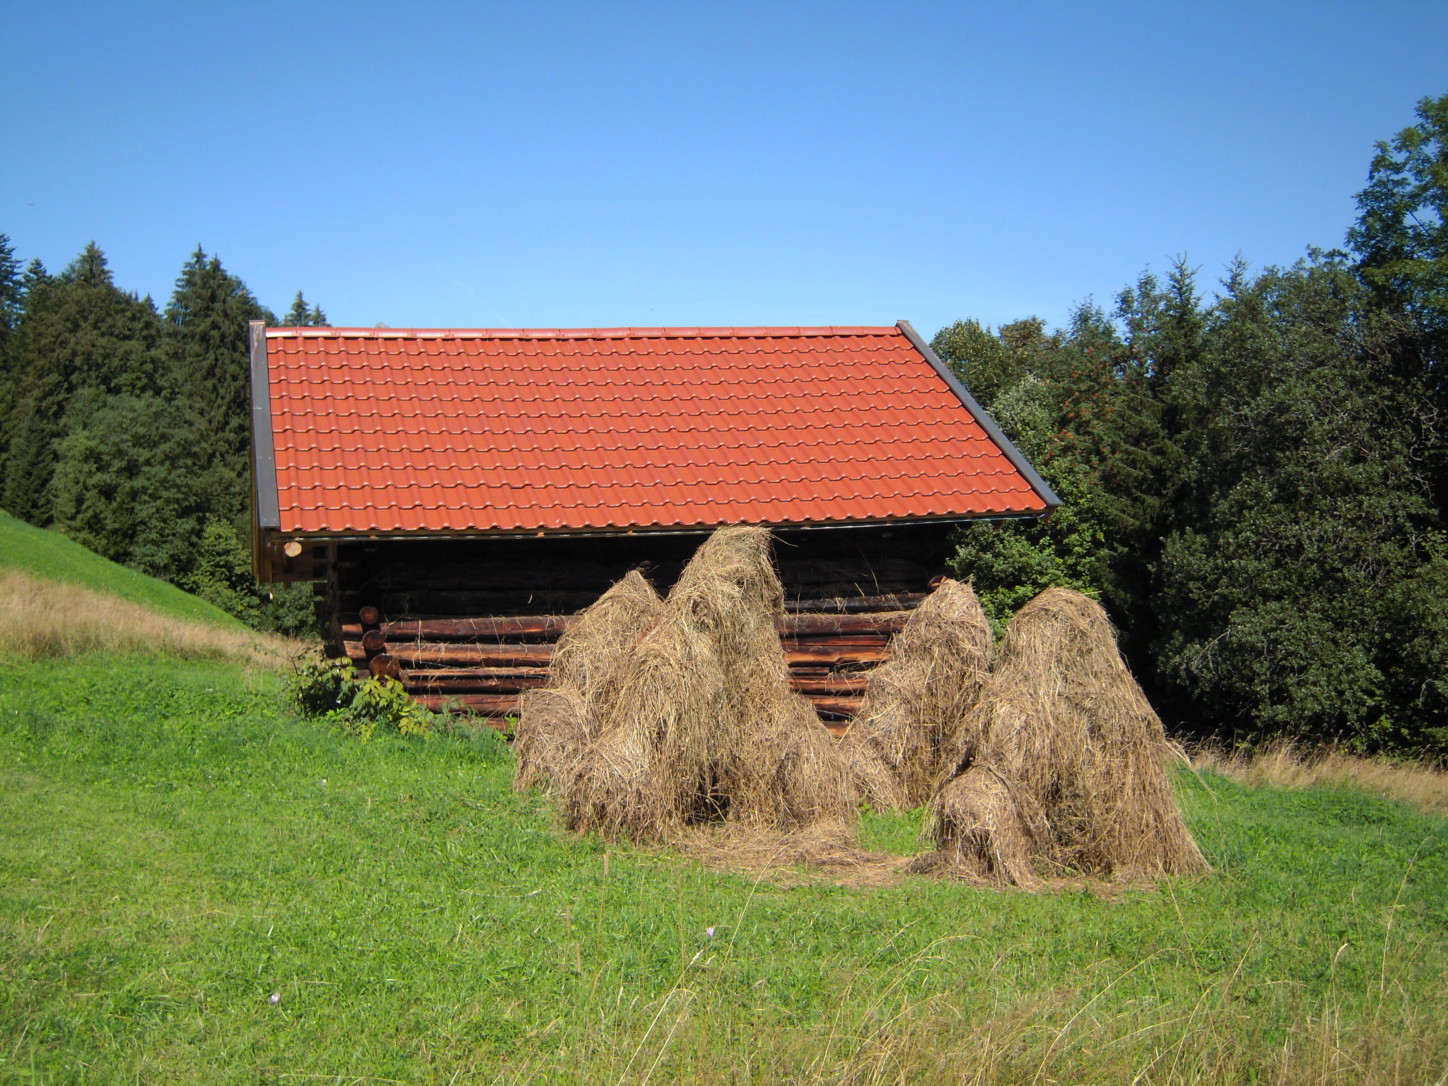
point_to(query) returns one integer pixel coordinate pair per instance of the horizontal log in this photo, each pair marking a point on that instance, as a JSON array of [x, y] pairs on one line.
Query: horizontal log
[[805, 625], [837, 707], [502, 683], [413, 653], [484, 704], [842, 684], [815, 669], [373, 641], [843, 641], [500, 627], [895, 601], [382, 664], [416, 654], [835, 656], [483, 627], [422, 675], [405, 603]]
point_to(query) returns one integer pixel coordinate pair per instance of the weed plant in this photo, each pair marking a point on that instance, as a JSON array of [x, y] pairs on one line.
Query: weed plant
[[198, 886]]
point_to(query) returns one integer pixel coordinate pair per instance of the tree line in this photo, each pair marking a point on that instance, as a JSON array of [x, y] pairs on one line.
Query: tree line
[[127, 427], [1253, 483]]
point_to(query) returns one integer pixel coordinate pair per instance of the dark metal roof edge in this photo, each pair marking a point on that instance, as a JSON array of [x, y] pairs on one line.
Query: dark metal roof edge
[[263, 446], [994, 432], [621, 533]]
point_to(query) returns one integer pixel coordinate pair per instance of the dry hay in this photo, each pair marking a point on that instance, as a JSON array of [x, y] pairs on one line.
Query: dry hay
[[913, 729], [794, 856], [557, 722], [1069, 772], [692, 720]]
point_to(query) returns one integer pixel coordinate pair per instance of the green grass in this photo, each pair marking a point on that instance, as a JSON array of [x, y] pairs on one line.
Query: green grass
[[197, 887], [51, 555]]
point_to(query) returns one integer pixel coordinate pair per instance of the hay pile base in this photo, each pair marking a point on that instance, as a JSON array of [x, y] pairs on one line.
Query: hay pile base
[[913, 726], [1069, 771], [661, 716]]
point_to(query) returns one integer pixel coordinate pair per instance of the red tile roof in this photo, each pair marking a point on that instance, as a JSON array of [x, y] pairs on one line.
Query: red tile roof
[[586, 430]]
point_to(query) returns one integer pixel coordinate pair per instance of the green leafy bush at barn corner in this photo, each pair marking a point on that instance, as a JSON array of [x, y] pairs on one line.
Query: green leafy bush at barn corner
[[331, 690]]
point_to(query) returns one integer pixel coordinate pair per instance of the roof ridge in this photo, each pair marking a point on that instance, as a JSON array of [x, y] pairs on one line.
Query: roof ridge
[[662, 332]]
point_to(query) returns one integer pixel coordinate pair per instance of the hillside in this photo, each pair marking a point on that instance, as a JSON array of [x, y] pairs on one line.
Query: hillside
[[52, 556]]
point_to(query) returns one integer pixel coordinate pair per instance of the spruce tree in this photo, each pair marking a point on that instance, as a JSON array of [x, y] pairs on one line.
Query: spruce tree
[[12, 289], [79, 332], [303, 316], [208, 361]]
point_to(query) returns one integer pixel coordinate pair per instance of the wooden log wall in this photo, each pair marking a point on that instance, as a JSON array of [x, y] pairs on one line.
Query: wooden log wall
[[473, 623]]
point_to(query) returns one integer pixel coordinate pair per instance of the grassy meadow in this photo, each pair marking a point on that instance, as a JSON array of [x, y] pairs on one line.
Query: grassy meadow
[[196, 886]]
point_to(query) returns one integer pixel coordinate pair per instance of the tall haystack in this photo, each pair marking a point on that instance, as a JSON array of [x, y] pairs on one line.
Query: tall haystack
[[691, 719], [556, 723], [776, 766], [913, 728], [1069, 771]]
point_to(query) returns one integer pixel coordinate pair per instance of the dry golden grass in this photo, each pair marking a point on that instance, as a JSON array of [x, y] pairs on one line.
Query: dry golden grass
[[45, 619], [1289, 765]]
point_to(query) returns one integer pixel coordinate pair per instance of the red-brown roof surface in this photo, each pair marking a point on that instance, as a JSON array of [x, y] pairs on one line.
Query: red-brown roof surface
[[407, 431]]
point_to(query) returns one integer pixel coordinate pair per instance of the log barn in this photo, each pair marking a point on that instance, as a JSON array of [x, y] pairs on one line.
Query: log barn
[[459, 493]]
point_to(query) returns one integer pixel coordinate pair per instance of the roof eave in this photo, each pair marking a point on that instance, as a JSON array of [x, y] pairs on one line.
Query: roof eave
[[326, 536]]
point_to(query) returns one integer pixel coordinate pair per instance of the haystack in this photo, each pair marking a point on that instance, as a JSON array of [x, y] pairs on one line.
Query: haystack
[[687, 714], [913, 727], [556, 723], [1069, 770]]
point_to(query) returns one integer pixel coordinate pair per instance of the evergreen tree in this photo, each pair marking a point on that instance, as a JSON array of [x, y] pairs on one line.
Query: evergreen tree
[[302, 316], [29, 463], [12, 289], [12, 299], [90, 268], [79, 332], [124, 482], [208, 358], [34, 282]]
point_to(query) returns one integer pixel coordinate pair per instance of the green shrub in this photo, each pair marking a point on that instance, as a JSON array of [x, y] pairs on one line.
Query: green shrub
[[331, 690]]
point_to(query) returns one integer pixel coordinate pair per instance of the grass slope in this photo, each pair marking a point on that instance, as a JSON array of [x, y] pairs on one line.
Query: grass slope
[[197, 887], [51, 555]]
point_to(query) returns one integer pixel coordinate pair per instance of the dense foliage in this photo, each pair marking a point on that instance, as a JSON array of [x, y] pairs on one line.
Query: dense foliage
[[127, 428], [1254, 484]]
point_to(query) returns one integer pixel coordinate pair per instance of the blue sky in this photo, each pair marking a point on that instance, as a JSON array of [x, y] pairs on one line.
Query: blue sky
[[600, 164]]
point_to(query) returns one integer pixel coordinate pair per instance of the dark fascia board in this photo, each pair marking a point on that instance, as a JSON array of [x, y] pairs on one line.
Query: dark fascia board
[[619, 533], [1039, 485], [263, 447]]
